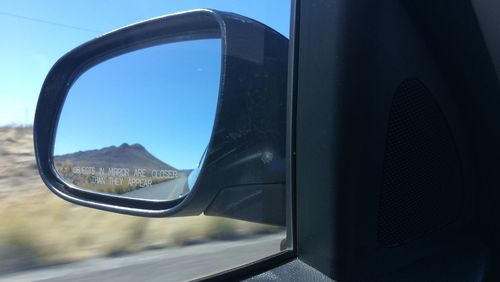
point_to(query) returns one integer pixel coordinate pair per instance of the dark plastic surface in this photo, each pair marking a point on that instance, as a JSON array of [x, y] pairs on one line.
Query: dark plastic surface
[[352, 58], [257, 203], [294, 271], [247, 146]]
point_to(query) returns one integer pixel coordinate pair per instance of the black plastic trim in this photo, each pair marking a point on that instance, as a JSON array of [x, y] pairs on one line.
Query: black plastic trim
[[293, 67]]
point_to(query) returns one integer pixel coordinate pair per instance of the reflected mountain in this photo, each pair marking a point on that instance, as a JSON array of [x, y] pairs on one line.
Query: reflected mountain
[[133, 156]]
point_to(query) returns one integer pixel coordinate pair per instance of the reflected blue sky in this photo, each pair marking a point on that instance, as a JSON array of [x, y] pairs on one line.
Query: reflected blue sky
[[162, 97]]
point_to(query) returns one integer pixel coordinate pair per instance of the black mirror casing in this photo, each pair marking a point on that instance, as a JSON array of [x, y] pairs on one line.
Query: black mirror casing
[[243, 171]]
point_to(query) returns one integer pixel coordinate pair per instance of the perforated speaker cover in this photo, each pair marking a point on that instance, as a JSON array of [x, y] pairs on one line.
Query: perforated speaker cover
[[422, 177]]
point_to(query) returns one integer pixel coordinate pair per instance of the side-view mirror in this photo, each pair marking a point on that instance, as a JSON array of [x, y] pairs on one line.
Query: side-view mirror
[[178, 115]]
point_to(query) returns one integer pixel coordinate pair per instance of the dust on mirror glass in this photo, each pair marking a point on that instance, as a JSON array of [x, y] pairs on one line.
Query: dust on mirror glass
[[137, 125]]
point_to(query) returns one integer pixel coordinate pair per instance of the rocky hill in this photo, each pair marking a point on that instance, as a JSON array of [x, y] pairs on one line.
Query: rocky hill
[[18, 171]]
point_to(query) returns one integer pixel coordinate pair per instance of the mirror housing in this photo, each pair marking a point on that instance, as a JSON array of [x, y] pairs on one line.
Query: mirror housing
[[243, 175]]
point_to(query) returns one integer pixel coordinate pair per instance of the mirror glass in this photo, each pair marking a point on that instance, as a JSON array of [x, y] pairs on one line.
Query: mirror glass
[[137, 125]]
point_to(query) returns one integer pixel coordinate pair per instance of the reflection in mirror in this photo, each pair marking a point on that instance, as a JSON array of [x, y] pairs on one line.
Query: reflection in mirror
[[138, 124]]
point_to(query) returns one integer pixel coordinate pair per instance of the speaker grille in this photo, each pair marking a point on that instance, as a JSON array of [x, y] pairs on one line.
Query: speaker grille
[[422, 180]]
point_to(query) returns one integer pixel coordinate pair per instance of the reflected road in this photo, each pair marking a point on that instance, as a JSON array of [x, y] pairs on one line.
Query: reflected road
[[167, 190]]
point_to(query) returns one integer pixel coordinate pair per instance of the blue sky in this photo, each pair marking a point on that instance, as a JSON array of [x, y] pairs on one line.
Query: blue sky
[[36, 33], [163, 97], [31, 46]]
